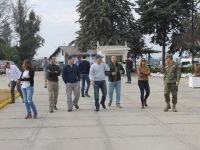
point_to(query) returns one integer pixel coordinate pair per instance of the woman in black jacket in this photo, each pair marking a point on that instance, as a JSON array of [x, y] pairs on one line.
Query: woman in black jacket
[[27, 80]]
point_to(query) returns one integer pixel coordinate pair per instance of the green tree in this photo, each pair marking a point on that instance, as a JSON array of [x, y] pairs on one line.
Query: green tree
[[27, 25], [162, 18], [108, 22], [182, 42], [8, 53]]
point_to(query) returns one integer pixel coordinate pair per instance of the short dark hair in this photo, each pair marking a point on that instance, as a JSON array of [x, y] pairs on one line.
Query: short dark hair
[[84, 57], [27, 64], [69, 57], [79, 56]]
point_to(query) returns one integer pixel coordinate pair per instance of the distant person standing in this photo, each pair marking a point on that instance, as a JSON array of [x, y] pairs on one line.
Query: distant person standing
[[129, 69], [84, 68], [143, 73], [53, 71], [78, 61], [27, 80], [45, 64], [114, 81], [71, 77], [172, 76], [13, 74], [97, 78]]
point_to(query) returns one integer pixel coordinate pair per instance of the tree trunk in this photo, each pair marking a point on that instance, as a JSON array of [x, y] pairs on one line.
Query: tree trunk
[[163, 51]]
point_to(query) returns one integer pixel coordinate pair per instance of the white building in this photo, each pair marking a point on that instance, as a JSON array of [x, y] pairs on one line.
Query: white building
[[109, 50]]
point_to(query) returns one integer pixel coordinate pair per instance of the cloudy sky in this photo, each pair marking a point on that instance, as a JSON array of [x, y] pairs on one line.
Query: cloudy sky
[[58, 23]]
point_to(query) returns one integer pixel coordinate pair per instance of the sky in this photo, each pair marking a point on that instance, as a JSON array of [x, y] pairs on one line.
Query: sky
[[58, 25]]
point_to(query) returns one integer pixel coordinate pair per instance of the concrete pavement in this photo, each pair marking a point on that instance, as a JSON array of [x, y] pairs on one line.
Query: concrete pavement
[[112, 129]]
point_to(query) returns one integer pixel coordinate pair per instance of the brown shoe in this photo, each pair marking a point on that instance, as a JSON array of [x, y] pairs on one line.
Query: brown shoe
[[29, 116], [109, 103], [167, 107], [118, 106], [35, 115], [174, 108]]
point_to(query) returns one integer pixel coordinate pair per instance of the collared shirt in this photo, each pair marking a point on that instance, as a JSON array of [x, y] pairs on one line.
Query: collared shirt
[[13, 73], [45, 64]]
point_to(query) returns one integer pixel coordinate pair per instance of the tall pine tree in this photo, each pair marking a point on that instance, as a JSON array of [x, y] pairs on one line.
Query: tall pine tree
[[108, 22]]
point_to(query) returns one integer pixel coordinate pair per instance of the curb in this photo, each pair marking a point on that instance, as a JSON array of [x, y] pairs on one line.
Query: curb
[[2, 105]]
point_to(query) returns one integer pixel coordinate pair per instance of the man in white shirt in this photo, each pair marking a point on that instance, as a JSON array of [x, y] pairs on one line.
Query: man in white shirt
[[13, 73]]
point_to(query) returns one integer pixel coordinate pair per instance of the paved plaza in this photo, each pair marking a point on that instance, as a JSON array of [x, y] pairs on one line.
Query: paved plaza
[[129, 128]]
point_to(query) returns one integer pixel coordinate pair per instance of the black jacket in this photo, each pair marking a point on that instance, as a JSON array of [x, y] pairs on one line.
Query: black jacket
[[129, 64], [118, 69], [53, 71], [30, 79], [84, 67]]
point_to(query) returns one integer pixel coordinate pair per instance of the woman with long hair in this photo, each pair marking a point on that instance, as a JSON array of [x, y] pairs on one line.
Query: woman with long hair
[[143, 82], [27, 80]]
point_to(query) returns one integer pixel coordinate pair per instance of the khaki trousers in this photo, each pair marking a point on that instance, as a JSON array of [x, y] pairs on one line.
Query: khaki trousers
[[53, 88]]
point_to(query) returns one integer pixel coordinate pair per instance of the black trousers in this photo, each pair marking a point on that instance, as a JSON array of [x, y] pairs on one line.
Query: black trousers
[[144, 87], [14, 84]]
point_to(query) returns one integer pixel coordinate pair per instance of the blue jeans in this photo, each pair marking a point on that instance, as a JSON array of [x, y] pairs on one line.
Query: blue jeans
[[128, 73], [144, 86], [116, 85], [85, 78], [28, 95], [100, 85]]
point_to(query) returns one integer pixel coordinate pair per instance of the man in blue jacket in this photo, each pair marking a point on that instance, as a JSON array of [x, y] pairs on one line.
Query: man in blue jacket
[[71, 77]]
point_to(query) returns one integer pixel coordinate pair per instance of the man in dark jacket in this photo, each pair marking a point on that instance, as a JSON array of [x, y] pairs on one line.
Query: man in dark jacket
[[114, 81], [129, 68], [53, 71], [84, 68], [71, 77]]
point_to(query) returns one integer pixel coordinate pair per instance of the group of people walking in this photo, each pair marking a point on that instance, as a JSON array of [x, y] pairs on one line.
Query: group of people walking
[[95, 74]]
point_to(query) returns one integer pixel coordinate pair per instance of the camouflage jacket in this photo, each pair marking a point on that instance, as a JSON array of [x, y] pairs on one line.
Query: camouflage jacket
[[172, 73]]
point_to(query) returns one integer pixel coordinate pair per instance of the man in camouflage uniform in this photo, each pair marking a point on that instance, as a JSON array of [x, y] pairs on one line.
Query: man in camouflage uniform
[[172, 75]]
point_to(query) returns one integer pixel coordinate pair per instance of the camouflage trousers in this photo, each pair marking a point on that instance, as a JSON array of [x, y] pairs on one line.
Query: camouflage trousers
[[171, 88]]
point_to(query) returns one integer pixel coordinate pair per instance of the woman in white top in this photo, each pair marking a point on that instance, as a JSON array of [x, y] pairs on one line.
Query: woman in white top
[[27, 79]]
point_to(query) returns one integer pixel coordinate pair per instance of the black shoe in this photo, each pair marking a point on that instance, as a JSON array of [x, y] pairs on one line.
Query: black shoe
[[69, 110], [145, 105], [97, 109], [51, 111], [12, 102], [35, 115], [128, 82], [83, 95], [45, 87], [103, 105], [76, 106], [55, 108], [86, 94]]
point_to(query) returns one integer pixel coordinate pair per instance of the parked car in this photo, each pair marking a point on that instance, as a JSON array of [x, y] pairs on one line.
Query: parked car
[[2, 66]]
